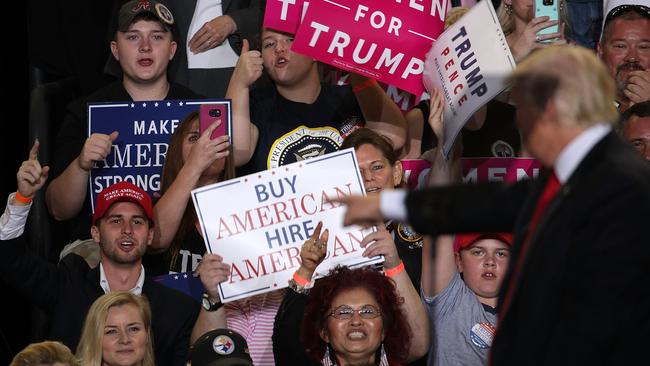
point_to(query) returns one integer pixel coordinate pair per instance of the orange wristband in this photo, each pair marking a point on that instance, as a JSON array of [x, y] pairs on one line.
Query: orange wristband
[[22, 199], [366, 84], [395, 270], [299, 280]]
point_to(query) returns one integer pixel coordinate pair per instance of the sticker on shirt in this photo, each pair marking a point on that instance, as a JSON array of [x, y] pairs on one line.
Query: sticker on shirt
[[502, 149], [223, 345], [409, 236], [303, 143], [482, 335], [350, 125]]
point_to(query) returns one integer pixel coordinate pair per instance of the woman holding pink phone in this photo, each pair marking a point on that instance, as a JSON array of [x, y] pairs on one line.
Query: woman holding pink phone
[[193, 160]]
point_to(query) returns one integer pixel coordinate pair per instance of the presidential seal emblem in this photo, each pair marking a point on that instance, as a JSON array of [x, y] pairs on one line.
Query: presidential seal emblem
[[408, 235], [303, 143]]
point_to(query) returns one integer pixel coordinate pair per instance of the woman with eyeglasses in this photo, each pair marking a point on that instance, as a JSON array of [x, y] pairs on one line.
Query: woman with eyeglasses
[[381, 170], [354, 317]]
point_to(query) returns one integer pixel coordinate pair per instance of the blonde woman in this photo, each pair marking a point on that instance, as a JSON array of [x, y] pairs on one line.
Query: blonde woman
[[46, 353], [519, 24], [117, 331]]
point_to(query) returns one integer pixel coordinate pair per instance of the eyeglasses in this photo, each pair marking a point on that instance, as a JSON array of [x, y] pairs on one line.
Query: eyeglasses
[[345, 312]]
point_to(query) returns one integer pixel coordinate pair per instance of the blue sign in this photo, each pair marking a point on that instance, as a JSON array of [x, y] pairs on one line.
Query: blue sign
[[138, 153]]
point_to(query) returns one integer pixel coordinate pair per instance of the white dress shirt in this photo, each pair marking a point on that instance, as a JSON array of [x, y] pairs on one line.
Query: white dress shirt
[[13, 219]]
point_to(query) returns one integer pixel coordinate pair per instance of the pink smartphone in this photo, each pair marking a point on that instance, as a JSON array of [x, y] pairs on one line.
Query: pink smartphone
[[211, 112]]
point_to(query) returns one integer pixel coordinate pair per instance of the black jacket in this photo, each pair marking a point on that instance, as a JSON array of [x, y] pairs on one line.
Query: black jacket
[[66, 292], [581, 296]]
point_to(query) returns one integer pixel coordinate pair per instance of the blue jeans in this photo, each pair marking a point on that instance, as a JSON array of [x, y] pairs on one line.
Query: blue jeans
[[586, 20]]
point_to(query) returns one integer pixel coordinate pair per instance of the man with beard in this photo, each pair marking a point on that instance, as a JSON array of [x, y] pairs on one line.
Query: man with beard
[[625, 49], [122, 226]]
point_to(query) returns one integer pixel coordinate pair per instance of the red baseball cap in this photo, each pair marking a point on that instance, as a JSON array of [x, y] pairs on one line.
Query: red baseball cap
[[465, 240], [122, 192]]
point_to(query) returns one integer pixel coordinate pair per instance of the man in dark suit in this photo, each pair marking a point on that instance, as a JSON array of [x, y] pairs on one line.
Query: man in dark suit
[[576, 291], [122, 227], [238, 19]]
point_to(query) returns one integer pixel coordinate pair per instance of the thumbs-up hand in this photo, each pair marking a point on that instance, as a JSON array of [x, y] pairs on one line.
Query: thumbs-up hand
[[96, 147], [249, 66]]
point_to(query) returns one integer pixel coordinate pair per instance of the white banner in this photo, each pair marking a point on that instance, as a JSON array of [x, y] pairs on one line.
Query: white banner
[[468, 64], [259, 222]]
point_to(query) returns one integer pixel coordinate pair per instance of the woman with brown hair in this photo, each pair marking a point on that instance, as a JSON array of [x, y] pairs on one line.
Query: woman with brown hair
[[193, 160], [401, 247]]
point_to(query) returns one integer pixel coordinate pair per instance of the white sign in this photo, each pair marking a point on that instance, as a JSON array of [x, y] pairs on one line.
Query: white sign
[[468, 64], [259, 222]]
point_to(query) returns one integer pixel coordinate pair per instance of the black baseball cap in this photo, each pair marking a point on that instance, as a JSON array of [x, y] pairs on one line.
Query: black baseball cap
[[220, 347]]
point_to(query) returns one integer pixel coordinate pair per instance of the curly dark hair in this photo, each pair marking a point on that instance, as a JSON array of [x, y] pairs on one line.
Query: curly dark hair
[[397, 332]]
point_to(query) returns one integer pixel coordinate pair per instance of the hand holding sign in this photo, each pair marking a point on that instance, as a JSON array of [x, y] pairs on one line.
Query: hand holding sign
[[381, 243], [249, 67], [96, 147], [212, 271]]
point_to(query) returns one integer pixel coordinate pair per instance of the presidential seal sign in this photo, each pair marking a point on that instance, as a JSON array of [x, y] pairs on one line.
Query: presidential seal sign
[[223, 345], [482, 335]]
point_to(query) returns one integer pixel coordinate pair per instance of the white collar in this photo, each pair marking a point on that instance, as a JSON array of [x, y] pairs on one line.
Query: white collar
[[103, 281], [573, 154]]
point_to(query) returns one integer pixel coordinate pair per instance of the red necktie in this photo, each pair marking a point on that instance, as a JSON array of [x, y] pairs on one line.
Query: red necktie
[[550, 190]]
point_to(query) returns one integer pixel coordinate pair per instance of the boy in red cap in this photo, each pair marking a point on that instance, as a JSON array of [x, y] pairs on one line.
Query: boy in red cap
[[460, 287]]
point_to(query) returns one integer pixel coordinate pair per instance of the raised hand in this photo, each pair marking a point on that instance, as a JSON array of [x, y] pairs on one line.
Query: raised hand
[[249, 66], [529, 40], [313, 252], [31, 176], [637, 89], [205, 151], [96, 147], [381, 243]]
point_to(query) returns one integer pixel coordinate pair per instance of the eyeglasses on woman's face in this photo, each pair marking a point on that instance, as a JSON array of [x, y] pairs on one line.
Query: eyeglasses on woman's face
[[345, 312]]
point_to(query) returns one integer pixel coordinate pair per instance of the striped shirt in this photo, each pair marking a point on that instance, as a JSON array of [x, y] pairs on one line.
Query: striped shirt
[[253, 318]]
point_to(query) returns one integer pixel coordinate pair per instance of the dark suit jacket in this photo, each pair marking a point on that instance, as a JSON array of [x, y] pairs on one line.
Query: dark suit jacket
[[66, 292], [581, 296], [212, 83]]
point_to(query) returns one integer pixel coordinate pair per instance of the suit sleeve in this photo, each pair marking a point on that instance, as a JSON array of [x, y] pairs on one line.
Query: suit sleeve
[[287, 348], [34, 277], [491, 207], [182, 346], [606, 298], [249, 19]]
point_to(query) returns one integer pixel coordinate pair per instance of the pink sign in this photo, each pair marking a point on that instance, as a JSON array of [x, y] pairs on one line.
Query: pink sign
[[403, 99], [476, 170], [284, 15], [385, 40]]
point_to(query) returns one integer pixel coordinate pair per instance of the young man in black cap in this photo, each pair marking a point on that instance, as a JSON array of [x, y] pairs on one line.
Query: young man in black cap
[[144, 44]]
